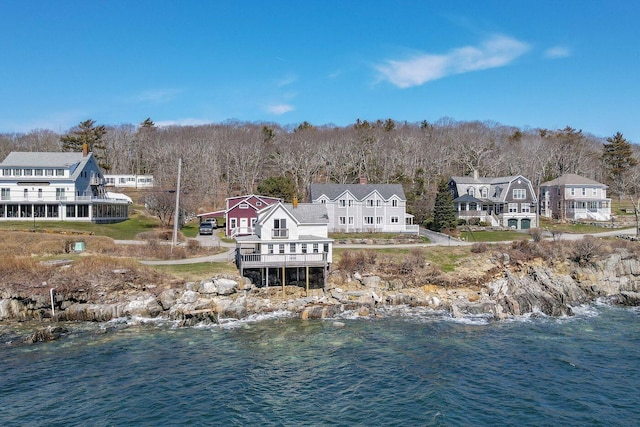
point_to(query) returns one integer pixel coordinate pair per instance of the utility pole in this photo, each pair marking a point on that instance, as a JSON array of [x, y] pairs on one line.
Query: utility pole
[[177, 211]]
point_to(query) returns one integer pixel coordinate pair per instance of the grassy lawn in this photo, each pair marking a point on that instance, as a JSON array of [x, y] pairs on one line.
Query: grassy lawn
[[545, 224], [493, 236], [339, 236], [446, 258], [198, 271]]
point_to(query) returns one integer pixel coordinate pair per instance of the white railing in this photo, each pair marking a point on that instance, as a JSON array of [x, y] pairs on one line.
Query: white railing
[[282, 259]]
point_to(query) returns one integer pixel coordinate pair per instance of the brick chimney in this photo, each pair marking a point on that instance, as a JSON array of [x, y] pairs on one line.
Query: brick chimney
[[363, 180], [295, 202], [85, 150]]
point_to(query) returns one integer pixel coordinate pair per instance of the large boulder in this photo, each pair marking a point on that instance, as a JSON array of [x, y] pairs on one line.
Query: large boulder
[[143, 306], [219, 286]]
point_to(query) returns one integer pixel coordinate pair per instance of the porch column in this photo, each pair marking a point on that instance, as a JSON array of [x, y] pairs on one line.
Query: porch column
[[307, 278], [267, 278], [283, 271]]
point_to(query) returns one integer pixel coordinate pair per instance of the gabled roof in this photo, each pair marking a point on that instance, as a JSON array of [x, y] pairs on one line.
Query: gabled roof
[[572, 179], [359, 191], [470, 180], [232, 202]]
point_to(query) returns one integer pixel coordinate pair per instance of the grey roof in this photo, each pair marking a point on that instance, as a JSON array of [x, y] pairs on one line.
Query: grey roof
[[304, 213], [571, 179], [467, 198], [42, 159], [359, 191]]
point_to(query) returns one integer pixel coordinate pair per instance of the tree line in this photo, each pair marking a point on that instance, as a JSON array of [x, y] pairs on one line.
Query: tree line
[[232, 158]]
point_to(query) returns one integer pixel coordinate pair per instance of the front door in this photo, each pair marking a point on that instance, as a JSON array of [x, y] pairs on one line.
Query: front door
[[244, 225]]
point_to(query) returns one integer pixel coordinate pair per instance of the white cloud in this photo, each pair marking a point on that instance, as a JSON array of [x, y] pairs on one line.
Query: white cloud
[[286, 81], [280, 109], [557, 52], [497, 51]]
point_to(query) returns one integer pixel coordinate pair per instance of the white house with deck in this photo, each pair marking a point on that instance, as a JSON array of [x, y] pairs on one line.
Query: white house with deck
[[290, 246], [364, 208], [56, 186], [573, 197]]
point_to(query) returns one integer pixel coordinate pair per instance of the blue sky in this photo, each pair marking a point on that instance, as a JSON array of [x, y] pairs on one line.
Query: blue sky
[[531, 64]]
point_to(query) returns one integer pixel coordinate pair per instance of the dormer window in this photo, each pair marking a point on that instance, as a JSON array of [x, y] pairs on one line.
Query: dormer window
[[244, 206]]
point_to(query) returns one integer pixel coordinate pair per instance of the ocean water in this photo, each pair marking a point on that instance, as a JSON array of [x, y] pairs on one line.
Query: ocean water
[[407, 368]]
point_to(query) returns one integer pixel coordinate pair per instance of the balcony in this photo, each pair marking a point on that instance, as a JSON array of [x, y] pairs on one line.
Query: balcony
[[282, 260], [280, 233]]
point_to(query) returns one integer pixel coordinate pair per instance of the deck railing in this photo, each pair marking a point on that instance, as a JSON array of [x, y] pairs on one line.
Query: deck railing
[[297, 259]]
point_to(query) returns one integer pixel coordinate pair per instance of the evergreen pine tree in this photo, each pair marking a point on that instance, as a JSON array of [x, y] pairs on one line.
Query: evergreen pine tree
[[618, 158], [87, 133], [444, 214]]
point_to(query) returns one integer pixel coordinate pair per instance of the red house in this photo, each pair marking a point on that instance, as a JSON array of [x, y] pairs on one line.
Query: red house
[[241, 213]]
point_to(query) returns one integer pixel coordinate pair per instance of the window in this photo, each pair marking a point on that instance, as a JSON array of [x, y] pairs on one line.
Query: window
[[484, 192], [325, 248], [60, 194], [280, 227], [292, 248], [342, 203], [471, 191], [39, 193], [243, 206], [525, 207], [519, 193], [368, 220], [323, 201], [594, 191], [315, 248], [48, 172], [4, 194], [350, 203], [378, 202], [303, 247], [513, 207], [270, 248], [281, 248], [17, 172], [395, 220], [6, 172], [233, 222], [584, 191], [342, 220], [394, 203], [378, 220], [350, 220], [573, 191], [27, 172], [258, 203], [370, 203]]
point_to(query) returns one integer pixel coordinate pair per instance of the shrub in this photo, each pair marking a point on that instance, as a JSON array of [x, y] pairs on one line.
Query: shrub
[[585, 250], [536, 234]]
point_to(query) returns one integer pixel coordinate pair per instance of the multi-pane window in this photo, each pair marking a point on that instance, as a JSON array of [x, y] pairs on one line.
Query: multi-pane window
[[280, 227], [270, 248], [17, 172], [342, 220], [6, 172], [594, 191], [281, 248], [584, 191], [350, 220], [325, 248], [28, 172], [303, 247], [395, 220], [60, 194], [59, 172], [48, 172], [378, 202], [315, 248], [573, 191], [519, 193], [342, 203], [292, 248], [513, 207], [525, 207], [378, 220], [394, 203], [350, 203], [5, 194], [368, 220], [370, 203]]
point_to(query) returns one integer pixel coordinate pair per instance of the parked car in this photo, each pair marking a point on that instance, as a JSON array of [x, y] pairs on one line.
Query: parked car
[[207, 227]]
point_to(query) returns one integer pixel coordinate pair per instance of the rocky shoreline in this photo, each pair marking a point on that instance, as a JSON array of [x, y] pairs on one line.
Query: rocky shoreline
[[514, 289]]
